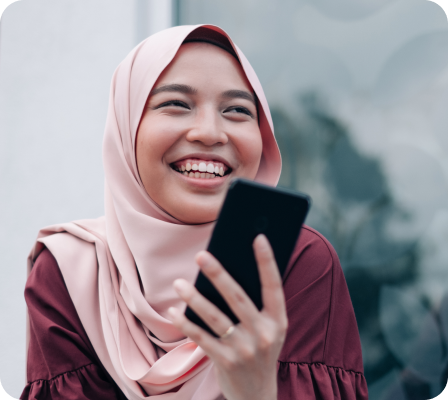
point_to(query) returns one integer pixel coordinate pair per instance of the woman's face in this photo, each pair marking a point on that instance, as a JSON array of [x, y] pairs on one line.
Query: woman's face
[[198, 130]]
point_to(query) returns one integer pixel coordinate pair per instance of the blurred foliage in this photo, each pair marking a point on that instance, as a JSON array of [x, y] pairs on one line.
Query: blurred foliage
[[404, 342]]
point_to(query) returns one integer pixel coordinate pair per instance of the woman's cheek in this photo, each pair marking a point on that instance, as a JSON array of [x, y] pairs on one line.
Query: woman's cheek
[[149, 151], [251, 151], [156, 137]]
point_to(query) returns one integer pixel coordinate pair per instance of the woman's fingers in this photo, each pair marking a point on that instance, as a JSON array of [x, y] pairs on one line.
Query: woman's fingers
[[207, 311], [252, 350], [234, 295], [270, 279], [202, 338], [237, 299]]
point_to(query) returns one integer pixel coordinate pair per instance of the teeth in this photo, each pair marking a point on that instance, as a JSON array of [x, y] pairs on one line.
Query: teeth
[[200, 169], [202, 175], [210, 168]]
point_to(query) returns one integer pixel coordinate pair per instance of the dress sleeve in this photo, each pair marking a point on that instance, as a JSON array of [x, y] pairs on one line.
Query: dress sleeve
[[321, 358], [62, 363]]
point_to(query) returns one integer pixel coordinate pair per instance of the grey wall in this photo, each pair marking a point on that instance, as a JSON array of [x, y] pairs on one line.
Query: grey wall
[[57, 58]]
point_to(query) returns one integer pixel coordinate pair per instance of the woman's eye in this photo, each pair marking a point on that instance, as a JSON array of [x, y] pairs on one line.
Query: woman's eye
[[241, 110], [175, 103]]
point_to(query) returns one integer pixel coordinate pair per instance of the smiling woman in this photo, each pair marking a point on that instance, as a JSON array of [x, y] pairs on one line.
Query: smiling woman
[[196, 121], [106, 297]]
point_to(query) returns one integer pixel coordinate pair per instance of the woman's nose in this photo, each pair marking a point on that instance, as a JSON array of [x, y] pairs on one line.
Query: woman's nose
[[207, 128]]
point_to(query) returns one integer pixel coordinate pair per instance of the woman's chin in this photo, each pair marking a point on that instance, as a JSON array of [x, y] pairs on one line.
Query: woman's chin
[[197, 214]]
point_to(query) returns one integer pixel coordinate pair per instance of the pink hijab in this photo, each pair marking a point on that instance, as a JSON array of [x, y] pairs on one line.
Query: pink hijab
[[119, 269]]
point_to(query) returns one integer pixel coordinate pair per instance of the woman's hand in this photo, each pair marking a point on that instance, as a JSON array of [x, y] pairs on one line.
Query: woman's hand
[[246, 359]]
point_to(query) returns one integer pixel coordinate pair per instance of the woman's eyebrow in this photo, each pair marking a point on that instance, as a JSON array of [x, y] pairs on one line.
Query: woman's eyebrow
[[174, 87], [186, 89], [239, 94]]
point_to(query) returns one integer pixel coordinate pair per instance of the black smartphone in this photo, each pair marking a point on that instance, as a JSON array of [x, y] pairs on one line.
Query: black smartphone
[[249, 209]]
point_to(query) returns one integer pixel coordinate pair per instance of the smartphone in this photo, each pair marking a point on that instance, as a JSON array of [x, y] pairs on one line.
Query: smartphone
[[249, 209]]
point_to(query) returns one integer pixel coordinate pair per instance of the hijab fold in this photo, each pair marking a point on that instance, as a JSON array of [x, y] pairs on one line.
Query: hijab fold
[[119, 268]]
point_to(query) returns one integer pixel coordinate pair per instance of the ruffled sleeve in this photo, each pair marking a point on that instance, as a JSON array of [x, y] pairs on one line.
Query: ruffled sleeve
[[61, 362], [83, 383], [320, 382], [321, 358]]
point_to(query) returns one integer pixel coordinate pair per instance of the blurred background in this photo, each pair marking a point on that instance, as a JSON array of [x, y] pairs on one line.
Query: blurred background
[[359, 96]]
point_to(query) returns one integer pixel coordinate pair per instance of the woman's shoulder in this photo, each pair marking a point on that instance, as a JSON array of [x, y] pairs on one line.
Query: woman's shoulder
[[44, 261], [70, 249], [310, 266], [46, 294], [69, 239], [44, 274], [312, 240], [312, 256]]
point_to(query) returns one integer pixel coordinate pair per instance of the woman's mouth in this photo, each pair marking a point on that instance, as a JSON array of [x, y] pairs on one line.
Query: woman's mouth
[[201, 169]]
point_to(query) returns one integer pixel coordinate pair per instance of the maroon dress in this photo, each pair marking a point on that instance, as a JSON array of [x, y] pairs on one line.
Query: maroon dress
[[321, 358]]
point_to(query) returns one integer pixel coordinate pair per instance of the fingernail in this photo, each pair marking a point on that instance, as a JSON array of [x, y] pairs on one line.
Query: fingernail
[[180, 285], [173, 312], [261, 239], [203, 259]]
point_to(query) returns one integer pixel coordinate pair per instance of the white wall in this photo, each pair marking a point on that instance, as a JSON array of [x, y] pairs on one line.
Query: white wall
[[152, 16], [56, 61]]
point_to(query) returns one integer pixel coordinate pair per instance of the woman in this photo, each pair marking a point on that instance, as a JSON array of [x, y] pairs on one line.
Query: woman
[[186, 114]]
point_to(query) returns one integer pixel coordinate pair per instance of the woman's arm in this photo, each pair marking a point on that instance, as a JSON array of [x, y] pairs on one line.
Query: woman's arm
[[61, 362]]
